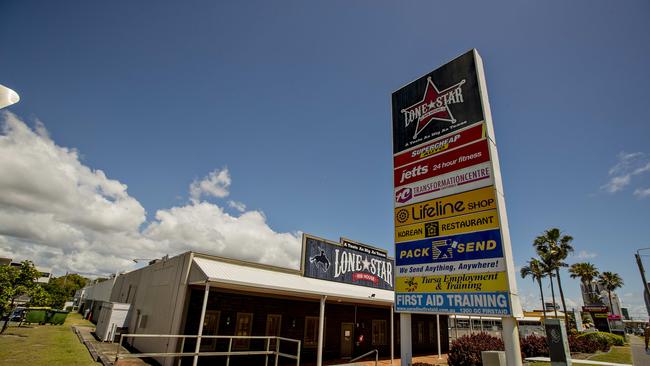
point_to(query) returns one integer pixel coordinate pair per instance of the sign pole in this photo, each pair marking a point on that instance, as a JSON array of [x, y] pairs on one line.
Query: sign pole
[[406, 347], [511, 341], [438, 335], [392, 335], [321, 323]]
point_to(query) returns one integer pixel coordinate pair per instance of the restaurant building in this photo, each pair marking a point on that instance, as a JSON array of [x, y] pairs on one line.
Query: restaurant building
[[346, 286]]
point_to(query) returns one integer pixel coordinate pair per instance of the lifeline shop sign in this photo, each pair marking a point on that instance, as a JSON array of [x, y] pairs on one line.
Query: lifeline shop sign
[[347, 262], [452, 243]]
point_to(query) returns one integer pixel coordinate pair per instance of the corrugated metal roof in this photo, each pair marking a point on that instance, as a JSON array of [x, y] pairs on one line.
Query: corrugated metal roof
[[243, 277]]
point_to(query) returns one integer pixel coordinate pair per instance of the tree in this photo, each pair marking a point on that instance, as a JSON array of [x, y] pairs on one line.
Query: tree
[[62, 289], [610, 281], [587, 272], [535, 269], [14, 282], [557, 247], [548, 267]]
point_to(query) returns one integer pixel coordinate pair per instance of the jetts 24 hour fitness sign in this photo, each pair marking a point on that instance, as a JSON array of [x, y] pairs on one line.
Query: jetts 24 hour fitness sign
[[348, 262], [452, 244]]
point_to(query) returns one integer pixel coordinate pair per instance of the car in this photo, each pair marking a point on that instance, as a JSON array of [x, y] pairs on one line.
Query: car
[[17, 314]]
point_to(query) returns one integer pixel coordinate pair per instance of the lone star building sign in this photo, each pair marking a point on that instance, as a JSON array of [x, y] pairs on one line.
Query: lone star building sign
[[433, 106]]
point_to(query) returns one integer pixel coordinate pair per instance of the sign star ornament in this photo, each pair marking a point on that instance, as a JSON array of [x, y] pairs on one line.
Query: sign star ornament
[[433, 106]]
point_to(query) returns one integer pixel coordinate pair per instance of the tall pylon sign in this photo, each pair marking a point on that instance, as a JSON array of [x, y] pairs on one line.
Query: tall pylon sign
[[452, 244]]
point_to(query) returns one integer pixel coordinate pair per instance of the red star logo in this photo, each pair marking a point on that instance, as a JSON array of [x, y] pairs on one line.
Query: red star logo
[[434, 105]]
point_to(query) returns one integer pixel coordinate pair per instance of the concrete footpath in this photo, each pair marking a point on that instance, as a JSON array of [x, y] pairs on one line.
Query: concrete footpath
[[639, 355], [104, 352]]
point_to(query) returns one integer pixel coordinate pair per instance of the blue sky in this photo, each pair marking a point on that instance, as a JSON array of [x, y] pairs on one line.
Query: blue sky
[[293, 98]]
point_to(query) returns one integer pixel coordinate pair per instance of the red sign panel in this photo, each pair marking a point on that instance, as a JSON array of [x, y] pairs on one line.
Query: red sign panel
[[439, 146], [460, 158]]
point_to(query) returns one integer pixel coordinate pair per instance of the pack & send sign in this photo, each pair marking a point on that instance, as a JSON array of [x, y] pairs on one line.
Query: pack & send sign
[[452, 245]]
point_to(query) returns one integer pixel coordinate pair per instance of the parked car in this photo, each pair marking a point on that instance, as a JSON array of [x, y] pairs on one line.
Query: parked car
[[17, 314]]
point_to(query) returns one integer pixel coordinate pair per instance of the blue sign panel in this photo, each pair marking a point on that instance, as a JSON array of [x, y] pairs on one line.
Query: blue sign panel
[[476, 303], [478, 245]]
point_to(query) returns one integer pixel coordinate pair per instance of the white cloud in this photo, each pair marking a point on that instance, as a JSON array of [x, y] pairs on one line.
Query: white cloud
[[237, 205], [628, 166], [583, 254], [616, 184], [215, 184], [642, 192], [205, 227], [63, 215]]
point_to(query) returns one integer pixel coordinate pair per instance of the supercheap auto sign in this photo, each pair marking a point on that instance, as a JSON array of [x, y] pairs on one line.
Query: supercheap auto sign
[[452, 250]]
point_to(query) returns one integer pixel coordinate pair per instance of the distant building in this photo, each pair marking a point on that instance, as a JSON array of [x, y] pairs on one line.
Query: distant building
[[91, 297], [45, 273], [626, 313], [596, 294], [233, 297]]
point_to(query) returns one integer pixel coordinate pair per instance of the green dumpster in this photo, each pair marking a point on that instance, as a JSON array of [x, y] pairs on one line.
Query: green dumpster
[[57, 317], [36, 315]]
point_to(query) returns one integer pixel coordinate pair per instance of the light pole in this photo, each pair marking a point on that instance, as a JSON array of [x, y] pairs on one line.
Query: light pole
[[646, 287], [7, 97]]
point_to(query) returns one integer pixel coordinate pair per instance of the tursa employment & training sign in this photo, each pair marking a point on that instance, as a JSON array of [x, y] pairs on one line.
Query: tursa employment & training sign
[[452, 244]]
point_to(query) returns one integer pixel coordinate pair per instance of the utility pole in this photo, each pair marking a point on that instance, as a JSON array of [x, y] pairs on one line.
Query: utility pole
[[646, 288]]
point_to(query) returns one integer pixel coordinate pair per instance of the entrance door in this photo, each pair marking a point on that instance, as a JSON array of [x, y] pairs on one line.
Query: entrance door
[[210, 327], [347, 336]]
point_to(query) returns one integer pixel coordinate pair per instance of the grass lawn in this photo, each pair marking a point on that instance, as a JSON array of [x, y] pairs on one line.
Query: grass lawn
[[615, 355], [53, 345]]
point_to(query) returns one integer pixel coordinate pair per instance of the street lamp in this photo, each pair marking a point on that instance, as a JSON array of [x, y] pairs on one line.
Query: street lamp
[[646, 287], [7, 97]]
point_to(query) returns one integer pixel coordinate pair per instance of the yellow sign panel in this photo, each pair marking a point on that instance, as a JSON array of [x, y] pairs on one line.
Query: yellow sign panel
[[480, 221], [454, 205], [466, 282]]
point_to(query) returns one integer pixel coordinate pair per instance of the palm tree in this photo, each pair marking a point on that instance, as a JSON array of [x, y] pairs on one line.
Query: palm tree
[[558, 247], [548, 266], [586, 272], [535, 269], [610, 281]]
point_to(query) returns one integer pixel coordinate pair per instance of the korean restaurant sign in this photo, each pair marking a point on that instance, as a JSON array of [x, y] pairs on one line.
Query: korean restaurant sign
[[347, 262], [452, 244]]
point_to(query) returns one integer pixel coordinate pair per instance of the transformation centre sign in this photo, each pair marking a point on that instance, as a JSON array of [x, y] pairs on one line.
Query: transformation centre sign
[[452, 245]]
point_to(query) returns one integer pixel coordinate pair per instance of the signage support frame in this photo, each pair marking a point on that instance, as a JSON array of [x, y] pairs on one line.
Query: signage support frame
[[510, 327], [478, 106]]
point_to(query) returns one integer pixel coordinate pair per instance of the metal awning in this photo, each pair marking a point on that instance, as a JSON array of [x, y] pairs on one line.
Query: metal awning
[[250, 278]]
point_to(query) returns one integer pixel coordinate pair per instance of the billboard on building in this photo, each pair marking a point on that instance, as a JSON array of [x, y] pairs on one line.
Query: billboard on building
[[347, 262], [452, 245]]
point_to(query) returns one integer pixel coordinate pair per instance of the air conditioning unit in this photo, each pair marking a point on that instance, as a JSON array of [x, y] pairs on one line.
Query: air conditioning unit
[[112, 315]]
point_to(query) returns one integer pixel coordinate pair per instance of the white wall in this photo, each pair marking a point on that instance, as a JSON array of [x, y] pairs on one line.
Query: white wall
[[157, 297]]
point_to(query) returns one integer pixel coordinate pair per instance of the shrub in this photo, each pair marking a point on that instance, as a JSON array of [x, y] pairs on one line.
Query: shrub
[[603, 339], [466, 350], [583, 345], [534, 346]]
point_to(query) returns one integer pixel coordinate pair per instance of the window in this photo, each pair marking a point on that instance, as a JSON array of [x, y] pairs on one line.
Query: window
[[243, 327], [311, 331], [420, 326], [210, 327], [378, 332], [432, 331], [273, 323]]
